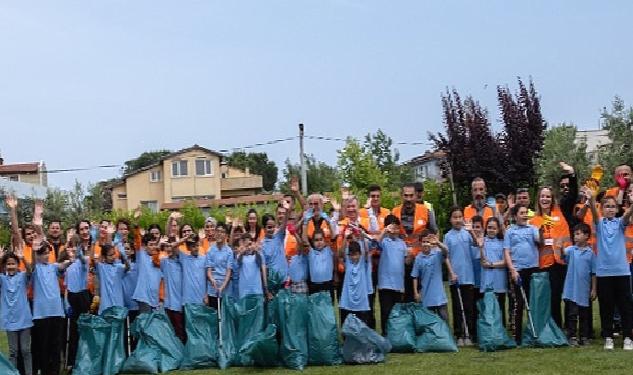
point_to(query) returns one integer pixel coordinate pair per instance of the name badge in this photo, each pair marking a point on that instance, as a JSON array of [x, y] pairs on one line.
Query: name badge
[[549, 242], [555, 218], [420, 222]]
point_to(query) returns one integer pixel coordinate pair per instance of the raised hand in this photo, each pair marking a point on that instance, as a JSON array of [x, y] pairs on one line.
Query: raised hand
[[368, 203], [11, 201], [335, 204], [294, 184], [111, 229], [137, 213], [566, 167]]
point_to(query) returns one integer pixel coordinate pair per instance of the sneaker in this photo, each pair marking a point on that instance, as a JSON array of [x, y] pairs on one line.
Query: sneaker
[[468, 342], [608, 343], [584, 341], [573, 341], [460, 342], [628, 344]]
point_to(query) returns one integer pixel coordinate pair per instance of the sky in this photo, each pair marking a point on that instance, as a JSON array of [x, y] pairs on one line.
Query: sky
[[86, 83]]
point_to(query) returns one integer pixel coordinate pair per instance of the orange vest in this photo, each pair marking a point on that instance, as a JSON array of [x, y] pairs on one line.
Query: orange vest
[[28, 258], [420, 223], [290, 245], [556, 238], [628, 242], [384, 212], [342, 224], [470, 211], [325, 227], [614, 191]]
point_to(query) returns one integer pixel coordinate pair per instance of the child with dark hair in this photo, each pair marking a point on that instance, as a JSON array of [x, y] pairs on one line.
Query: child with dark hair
[[428, 287], [494, 275], [580, 285], [251, 269], [219, 264], [321, 261], [355, 296], [15, 314], [146, 293]]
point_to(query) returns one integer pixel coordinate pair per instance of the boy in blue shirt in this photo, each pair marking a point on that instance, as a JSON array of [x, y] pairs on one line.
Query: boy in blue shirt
[[219, 265], [521, 256], [580, 285], [321, 261], [194, 272], [274, 252], [146, 293], [428, 287], [354, 295], [393, 255], [251, 269], [612, 269], [172, 277]]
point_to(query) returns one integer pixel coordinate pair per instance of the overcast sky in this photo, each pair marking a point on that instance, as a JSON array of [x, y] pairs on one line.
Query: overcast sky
[[86, 83]]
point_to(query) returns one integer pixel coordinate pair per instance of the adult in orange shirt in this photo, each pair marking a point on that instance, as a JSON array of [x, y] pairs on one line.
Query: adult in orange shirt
[[555, 238], [478, 207], [414, 219]]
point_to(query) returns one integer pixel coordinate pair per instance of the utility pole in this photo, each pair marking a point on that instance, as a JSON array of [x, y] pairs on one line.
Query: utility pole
[[302, 159]]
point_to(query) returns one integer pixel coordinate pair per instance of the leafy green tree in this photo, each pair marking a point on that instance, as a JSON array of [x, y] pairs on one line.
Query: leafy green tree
[[560, 145], [619, 124], [380, 145], [321, 177], [357, 167], [143, 160], [257, 163]]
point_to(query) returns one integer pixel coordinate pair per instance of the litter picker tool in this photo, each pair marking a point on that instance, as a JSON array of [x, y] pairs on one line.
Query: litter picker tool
[[527, 307], [461, 306]]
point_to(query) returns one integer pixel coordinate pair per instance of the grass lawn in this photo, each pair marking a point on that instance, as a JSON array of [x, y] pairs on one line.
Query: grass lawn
[[570, 361]]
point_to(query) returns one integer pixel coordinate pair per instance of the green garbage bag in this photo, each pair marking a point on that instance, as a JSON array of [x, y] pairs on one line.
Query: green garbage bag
[[227, 337], [261, 350], [491, 333], [155, 333], [362, 344], [93, 335], [144, 360], [433, 332], [6, 367], [272, 310], [249, 312], [275, 281], [548, 334], [401, 328], [201, 324], [323, 345], [115, 345], [293, 320]]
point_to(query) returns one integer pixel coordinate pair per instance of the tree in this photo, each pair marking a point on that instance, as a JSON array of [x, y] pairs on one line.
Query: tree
[[560, 145], [321, 177], [357, 167], [380, 146], [257, 163], [524, 132], [619, 125], [145, 159]]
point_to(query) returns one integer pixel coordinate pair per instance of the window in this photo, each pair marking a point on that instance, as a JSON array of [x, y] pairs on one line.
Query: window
[[203, 167], [154, 176], [179, 168], [122, 196], [152, 205], [14, 178]]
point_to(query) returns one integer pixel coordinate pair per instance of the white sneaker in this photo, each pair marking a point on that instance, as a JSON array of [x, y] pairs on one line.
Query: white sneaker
[[628, 344], [460, 342], [608, 343]]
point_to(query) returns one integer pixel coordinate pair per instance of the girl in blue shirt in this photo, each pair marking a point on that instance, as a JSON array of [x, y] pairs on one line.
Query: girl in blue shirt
[[321, 261], [428, 287], [109, 278], [146, 293], [219, 264], [251, 269], [493, 266], [459, 242], [15, 313], [274, 252], [172, 277]]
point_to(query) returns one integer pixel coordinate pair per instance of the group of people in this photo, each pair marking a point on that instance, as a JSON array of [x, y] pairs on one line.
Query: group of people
[[581, 237]]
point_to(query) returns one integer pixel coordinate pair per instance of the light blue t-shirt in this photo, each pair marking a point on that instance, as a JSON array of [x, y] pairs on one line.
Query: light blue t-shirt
[[298, 268], [493, 278], [611, 259], [521, 241], [129, 285], [459, 243], [476, 257], [219, 260], [110, 284], [250, 280], [47, 301], [580, 265], [355, 296], [172, 275], [427, 268], [76, 276], [391, 265], [275, 254], [194, 278], [321, 265], [148, 283], [15, 313]]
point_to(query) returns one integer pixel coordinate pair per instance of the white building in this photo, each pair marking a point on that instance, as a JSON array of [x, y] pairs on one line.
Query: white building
[[595, 139], [427, 166]]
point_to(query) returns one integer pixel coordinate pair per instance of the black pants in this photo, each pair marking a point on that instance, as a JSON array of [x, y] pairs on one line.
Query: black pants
[[519, 303], [79, 304], [408, 284], [362, 315], [387, 299], [214, 302], [47, 342], [372, 301], [557, 273], [615, 291], [327, 286], [468, 299], [577, 320]]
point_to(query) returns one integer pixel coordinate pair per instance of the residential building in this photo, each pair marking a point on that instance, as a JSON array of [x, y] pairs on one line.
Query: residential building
[[194, 173], [595, 139], [30, 173], [428, 166]]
